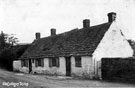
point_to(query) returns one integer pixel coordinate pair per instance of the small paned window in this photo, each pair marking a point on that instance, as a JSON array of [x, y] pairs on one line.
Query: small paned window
[[78, 62], [54, 62], [24, 63], [39, 62]]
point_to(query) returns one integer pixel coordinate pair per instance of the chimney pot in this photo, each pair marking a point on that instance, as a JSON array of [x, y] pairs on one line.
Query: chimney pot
[[53, 31], [37, 35], [86, 23], [111, 17]]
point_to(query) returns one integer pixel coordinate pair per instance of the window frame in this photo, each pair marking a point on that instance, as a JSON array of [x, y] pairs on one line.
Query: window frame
[[24, 63], [78, 61], [54, 62], [39, 62]]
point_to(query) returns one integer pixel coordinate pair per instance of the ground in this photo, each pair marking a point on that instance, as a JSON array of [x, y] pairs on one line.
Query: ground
[[21, 80]]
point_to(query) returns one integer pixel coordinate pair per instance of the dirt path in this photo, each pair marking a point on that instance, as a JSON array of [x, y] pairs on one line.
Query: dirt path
[[41, 81]]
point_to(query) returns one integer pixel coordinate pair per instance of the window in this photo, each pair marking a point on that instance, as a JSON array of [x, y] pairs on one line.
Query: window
[[39, 62], [32, 60], [78, 61], [54, 62], [24, 63]]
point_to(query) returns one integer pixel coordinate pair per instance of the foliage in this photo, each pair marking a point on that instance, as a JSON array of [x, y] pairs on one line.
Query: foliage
[[6, 59], [8, 55], [9, 50], [3, 38], [132, 43], [6, 40], [12, 40], [118, 69]]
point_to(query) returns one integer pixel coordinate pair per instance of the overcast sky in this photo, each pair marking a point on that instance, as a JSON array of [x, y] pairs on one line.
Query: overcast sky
[[26, 17]]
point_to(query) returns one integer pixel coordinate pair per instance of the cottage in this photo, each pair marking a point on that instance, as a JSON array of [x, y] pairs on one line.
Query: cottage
[[77, 52]]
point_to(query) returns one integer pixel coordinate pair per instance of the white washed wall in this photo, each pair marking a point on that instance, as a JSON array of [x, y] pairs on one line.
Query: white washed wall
[[113, 44], [24, 69], [16, 65], [61, 70], [87, 69]]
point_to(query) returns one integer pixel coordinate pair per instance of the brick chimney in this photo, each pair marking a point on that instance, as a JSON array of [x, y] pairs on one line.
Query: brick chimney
[[53, 31], [86, 23], [37, 35], [111, 17]]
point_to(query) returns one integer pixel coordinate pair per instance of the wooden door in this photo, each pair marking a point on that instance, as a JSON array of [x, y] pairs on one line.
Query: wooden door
[[68, 66], [30, 65]]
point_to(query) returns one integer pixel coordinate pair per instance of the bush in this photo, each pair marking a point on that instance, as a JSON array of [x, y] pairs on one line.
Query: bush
[[118, 69]]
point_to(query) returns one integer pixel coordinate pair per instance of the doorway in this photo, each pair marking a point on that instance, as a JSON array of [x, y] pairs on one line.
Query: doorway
[[68, 66], [30, 66]]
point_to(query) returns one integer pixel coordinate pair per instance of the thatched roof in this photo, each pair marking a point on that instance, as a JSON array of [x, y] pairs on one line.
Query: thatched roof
[[77, 42]]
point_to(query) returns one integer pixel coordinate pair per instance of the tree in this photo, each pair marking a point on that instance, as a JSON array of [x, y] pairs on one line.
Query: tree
[[12, 40], [8, 51], [6, 40], [3, 39], [132, 44]]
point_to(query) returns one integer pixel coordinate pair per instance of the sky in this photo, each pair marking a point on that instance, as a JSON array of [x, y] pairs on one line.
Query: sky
[[26, 17]]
